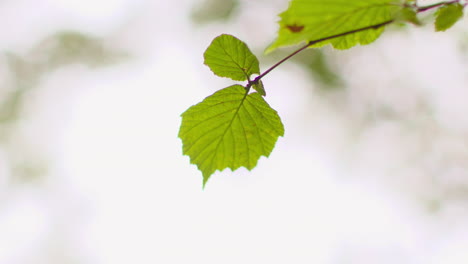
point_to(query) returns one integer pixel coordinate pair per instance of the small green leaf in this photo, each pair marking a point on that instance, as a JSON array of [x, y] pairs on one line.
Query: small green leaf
[[309, 20], [259, 88], [447, 16], [229, 57], [229, 129], [408, 14]]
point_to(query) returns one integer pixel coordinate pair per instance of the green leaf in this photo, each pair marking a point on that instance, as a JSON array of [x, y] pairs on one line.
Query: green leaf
[[310, 20], [447, 16], [408, 14], [259, 88], [229, 57], [229, 129]]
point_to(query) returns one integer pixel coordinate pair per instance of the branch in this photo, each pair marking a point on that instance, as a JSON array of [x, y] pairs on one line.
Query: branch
[[425, 8], [258, 78], [313, 42]]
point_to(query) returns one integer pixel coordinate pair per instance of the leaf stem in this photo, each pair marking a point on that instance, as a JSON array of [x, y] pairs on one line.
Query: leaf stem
[[313, 42], [258, 78], [425, 8]]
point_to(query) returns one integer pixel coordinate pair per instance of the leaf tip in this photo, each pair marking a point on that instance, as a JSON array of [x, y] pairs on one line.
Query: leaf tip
[[206, 177], [270, 48]]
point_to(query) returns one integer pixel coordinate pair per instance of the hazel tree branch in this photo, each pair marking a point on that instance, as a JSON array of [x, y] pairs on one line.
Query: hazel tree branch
[[313, 42]]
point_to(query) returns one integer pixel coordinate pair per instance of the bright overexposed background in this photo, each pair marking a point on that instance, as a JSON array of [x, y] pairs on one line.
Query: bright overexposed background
[[372, 170]]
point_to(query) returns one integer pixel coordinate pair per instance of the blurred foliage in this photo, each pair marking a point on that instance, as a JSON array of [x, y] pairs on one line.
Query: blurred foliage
[[463, 43], [72, 47], [24, 72], [317, 62], [28, 171], [56, 51], [23, 76], [214, 10]]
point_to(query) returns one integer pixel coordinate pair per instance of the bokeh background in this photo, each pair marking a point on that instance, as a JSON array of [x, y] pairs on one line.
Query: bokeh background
[[373, 167]]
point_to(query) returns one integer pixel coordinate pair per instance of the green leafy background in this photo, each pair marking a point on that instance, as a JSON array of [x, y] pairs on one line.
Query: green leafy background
[[92, 171]]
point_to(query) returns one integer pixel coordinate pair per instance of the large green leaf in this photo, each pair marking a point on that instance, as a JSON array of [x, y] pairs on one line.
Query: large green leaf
[[310, 20], [229, 57], [447, 16], [229, 129]]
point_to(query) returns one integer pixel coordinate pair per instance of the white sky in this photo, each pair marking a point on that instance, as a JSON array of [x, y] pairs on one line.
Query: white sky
[[121, 192]]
